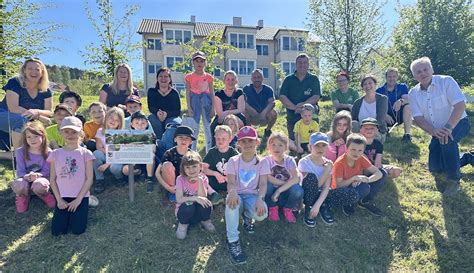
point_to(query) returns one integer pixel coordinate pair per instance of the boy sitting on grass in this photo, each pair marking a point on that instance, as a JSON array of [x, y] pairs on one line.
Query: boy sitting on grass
[[97, 115], [74, 101], [55, 138]]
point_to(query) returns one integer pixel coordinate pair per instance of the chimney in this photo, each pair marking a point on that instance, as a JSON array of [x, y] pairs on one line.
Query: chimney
[[237, 21], [260, 24], [193, 18]]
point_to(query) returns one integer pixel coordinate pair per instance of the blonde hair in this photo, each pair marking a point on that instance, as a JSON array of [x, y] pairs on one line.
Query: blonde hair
[[223, 128], [234, 118], [36, 128], [232, 72], [334, 134], [114, 84], [114, 111], [43, 83], [189, 158], [280, 137]]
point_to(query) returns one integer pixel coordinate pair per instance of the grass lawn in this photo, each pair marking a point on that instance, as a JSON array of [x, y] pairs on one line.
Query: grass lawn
[[421, 230]]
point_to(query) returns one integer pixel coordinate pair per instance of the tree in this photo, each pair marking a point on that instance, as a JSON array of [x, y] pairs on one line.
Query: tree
[[114, 35], [348, 29], [441, 30], [23, 34]]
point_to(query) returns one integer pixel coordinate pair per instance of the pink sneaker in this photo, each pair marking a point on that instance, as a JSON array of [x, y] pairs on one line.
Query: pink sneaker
[[273, 214], [289, 216], [49, 200], [22, 203]]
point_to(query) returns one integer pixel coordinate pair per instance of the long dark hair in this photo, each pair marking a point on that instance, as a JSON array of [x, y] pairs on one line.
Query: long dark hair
[[163, 69]]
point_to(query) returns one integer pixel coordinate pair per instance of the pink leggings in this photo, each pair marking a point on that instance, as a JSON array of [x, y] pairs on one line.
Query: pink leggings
[[23, 188]]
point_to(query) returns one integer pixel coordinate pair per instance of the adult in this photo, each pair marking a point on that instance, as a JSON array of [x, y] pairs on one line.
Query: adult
[[164, 103], [116, 93], [343, 97], [260, 103], [371, 105], [27, 98], [439, 108], [298, 89], [397, 94]]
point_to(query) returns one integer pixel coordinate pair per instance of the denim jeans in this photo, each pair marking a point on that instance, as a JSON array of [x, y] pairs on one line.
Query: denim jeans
[[290, 198], [201, 105], [232, 216], [444, 158], [160, 126], [16, 121], [115, 169]]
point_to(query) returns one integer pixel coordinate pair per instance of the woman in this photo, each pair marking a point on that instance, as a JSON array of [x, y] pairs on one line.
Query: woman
[[27, 98], [116, 92], [344, 97], [371, 105], [164, 103]]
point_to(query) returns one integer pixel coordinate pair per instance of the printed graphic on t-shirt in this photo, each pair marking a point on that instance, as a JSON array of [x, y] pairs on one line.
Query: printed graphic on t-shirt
[[370, 153], [307, 92], [36, 168], [70, 169], [220, 166], [280, 173], [246, 176]]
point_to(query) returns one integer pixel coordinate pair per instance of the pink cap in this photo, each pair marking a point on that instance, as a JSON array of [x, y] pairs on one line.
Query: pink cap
[[247, 132]]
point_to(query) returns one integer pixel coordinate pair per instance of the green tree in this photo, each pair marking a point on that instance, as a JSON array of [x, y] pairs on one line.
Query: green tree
[[114, 37]]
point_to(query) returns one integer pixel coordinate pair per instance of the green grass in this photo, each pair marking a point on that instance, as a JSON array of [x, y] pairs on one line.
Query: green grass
[[421, 231]]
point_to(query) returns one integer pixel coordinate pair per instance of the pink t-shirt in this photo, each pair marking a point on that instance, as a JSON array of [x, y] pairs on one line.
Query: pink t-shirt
[[281, 171], [191, 189], [70, 167], [247, 173], [199, 83]]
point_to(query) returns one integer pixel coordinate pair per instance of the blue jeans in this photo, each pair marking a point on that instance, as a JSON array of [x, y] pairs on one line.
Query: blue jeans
[[232, 216], [444, 158], [160, 126], [115, 169], [290, 198], [16, 121]]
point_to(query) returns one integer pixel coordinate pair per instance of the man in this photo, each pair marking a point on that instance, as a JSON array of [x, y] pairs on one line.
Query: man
[[298, 89], [397, 94], [438, 107], [260, 103]]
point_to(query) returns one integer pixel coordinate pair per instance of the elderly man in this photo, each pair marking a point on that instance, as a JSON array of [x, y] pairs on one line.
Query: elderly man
[[397, 94], [438, 107], [260, 103], [298, 89]]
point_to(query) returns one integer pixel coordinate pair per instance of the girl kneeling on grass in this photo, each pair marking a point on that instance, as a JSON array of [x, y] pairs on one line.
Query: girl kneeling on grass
[[192, 187], [71, 179], [283, 188], [32, 169]]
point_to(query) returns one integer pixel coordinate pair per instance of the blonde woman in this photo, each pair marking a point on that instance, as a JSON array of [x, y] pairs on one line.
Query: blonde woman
[[116, 92]]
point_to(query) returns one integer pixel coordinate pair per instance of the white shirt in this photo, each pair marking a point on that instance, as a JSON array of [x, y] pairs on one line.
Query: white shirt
[[437, 103], [367, 110]]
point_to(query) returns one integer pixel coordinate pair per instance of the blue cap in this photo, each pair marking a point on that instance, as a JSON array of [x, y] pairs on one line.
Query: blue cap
[[316, 138]]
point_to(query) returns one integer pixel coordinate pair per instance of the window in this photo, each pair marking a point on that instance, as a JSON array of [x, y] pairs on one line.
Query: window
[[242, 40], [286, 43], [292, 43], [217, 71], [171, 60], [179, 86], [242, 67], [262, 50], [176, 36], [154, 67], [265, 71], [154, 44], [288, 67]]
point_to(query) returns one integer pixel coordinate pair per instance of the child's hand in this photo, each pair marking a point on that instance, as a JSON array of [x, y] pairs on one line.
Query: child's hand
[[220, 178], [299, 150], [203, 201], [232, 199], [72, 206], [363, 179], [33, 176], [102, 168], [61, 204], [260, 207], [314, 212], [275, 196], [328, 165]]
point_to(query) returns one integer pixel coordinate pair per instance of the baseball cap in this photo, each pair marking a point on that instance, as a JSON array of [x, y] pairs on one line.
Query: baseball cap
[[308, 107], [133, 98], [71, 123], [198, 54], [138, 115], [318, 137], [65, 107], [247, 132], [184, 131], [369, 121]]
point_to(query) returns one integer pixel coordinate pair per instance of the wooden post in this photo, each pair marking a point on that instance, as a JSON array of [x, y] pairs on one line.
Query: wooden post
[[131, 183]]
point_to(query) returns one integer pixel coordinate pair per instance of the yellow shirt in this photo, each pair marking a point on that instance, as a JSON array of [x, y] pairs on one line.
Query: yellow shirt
[[304, 131], [52, 132]]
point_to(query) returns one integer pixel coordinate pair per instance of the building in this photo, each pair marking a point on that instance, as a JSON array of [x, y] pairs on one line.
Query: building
[[258, 46]]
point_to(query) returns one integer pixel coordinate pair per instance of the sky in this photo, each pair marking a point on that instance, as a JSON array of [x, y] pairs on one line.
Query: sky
[[78, 31]]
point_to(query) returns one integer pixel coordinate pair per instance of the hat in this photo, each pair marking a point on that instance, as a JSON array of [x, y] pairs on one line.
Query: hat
[[316, 138], [183, 130], [65, 107], [133, 98], [71, 123], [247, 132], [308, 107], [198, 54], [138, 115], [369, 121]]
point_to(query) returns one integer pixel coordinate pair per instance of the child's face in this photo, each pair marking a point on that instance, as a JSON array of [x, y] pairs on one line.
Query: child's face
[[277, 147], [34, 141], [233, 125], [318, 149], [97, 114], [341, 126], [133, 107], [113, 122], [192, 171], [230, 81], [183, 141], [248, 145], [72, 102], [354, 151], [59, 115], [369, 131], [139, 124], [70, 136], [222, 139], [199, 64], [306, 116]]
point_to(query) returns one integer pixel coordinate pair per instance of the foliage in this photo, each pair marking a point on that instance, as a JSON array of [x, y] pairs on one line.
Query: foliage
[[88, 85], [114, 37], [63, 74]]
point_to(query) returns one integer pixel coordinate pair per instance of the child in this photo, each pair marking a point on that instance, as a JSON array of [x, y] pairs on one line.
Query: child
[[304, 128], [316, 170], [200, 97], [216, 160], [71, 179], [97, 115], [340, 129], [192, 187], [32, 169], [74, 101], [168, 170], [55, 138], [113, 120], [374, 148], [247, 186], [234, 123], [348, 176], [132, 104], [283, 188]]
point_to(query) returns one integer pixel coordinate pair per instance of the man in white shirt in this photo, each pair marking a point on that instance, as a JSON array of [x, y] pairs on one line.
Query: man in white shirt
[[438, 107]]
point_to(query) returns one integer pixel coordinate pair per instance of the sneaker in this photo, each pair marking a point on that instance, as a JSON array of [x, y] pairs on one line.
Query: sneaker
[[452, 189], [308, 221], [236, 252], [93, 201], [273, 214], [216, 199], [267, 133], [289, 216], [467, 158], [249, 225], [348, 210], [99, 186], [406, 138], [22, 203], [370, 207], [207, 225], [172, 197], [326, 215], [181, 231], [149, 184], [49, 200]]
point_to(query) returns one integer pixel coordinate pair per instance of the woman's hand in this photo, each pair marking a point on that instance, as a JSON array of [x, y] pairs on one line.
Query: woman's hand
[[31, 114], [161, 115]]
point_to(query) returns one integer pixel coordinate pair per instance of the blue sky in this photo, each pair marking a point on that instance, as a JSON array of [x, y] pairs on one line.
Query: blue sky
[[79, 31]]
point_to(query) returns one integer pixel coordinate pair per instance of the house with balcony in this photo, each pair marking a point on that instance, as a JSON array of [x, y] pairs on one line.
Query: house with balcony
[[259, 47]]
